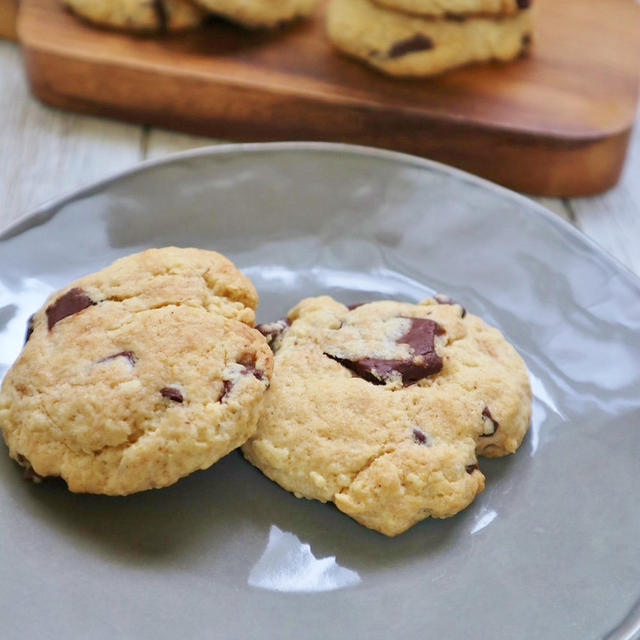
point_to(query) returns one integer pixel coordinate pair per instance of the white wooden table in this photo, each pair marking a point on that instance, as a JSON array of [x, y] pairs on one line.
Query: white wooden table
[[45, 153]]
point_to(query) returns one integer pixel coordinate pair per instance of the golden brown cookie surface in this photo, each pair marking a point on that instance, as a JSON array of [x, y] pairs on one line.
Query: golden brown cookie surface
[[456, 8], [139, 15], [405, 45], [139, 374], [259, 13], [382, 408]]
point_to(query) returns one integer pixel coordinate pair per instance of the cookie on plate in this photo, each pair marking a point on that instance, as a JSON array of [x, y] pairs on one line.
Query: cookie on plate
[[139, 15], [259, 13], [456, 8], [404, 45], [139, 374], [383, 407]]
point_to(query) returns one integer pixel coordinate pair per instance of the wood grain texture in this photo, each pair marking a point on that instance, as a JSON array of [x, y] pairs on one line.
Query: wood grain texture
[[46, 153], [8, 15], [555, 124]]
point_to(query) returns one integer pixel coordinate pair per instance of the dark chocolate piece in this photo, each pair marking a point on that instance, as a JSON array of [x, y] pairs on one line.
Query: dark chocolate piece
[[455, 17], [29, 331], [249, 368], [129, 355], [524, 4], [351, 307], [172, 393], [378, 370], [416, 43], [419, 436], [272, 330], [364, 368], [442, 299], [471, 468], [73, 301], [421, 339], [249, 365], [487, 414], [161, 14], [227, 385]]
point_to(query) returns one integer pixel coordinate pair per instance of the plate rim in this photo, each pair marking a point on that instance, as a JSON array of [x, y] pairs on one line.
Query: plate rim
[[51, 207]]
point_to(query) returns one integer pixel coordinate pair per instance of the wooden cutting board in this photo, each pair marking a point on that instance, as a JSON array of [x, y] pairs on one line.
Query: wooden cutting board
[[554, 124], [8, 14]]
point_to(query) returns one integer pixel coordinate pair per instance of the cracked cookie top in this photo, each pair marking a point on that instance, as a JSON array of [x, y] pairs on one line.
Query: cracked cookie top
[[139, 374], [383, 407]]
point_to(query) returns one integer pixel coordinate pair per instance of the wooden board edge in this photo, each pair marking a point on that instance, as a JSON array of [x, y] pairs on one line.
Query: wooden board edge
[[534, 164]]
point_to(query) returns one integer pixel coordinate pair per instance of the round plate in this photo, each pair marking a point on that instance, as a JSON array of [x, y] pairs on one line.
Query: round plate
[[549, 550]]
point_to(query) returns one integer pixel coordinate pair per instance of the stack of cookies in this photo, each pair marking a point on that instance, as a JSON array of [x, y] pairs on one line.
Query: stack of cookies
[[176, 15], [135, 376], [427, 37]]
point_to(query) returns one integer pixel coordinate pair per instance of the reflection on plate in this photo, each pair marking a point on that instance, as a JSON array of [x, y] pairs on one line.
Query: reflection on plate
[[547, 551]]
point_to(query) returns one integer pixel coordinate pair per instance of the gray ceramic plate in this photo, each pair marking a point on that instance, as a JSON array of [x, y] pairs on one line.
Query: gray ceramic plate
[[549, 550]]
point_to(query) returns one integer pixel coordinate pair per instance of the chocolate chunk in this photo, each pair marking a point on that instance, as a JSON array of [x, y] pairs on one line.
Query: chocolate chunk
[[172, 393], [29, 331], [471, 468], [524, 4], [273, 330], [364, 368], [161, 14], [129, 355], [486, 418], [248, 368], [227, 385], [526, 45], [421, 339], [351, 307], [249, 365], [419, 436], [73, 301], [378, 370], [442, 299], [416, 43]]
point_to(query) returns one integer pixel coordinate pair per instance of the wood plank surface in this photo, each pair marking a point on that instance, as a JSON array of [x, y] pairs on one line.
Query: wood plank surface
[[554, 124], [47, 153]]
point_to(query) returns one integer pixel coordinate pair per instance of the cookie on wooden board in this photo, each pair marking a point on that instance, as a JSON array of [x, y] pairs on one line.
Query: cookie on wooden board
[[259, 13], [139, 15], [456, 8], [404, 45]]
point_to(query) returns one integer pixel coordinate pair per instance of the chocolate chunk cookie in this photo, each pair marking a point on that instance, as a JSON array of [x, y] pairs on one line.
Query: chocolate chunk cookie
[[456, 8], [137, 375], [406, 45], [139, 15], [382, 408], [259, 13]]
